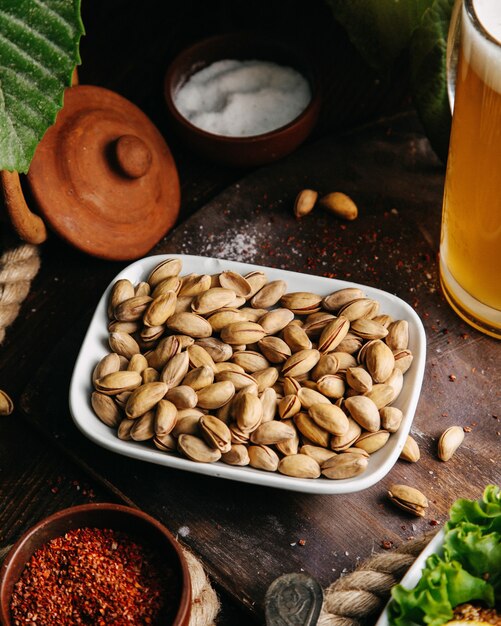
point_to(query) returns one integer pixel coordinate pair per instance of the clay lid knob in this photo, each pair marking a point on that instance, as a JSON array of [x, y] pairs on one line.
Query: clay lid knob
[[133, 156]]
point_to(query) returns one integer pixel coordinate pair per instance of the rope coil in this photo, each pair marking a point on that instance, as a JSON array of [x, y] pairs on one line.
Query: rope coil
[[18, 267]]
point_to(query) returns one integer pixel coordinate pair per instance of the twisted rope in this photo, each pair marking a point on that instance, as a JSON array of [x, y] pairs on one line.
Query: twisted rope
[[350, 600], [18, 267]]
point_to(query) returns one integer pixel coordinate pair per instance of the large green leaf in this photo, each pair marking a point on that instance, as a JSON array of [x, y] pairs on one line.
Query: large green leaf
[[380, 29], [429, 76], [38, 52]]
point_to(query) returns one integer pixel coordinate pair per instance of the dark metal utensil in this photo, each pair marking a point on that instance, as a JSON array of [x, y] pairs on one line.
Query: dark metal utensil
[[293, 600]]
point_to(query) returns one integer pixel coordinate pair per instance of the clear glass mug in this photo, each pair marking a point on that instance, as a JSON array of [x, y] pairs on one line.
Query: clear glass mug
[[470, 243]]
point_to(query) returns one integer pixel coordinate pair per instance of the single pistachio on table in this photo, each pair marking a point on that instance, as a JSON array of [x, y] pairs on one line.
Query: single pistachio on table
[[304, 203], [410, 451], [409, 499], [340, 204], [449, 442]]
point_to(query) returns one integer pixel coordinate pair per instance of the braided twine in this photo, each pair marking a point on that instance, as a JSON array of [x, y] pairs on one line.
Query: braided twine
[[18, 266], [354, 598]]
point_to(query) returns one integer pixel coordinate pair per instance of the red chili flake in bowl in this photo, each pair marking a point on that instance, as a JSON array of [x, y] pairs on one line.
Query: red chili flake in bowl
[[91, 576]]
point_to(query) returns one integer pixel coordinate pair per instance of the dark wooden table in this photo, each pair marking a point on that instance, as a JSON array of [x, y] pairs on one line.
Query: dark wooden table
[[245, 535]]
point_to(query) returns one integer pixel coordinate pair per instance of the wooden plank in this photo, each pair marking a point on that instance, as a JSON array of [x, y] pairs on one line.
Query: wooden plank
[[248, 535]]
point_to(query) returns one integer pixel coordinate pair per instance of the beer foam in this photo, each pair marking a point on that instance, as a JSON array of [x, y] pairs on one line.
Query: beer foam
[[484, 55]]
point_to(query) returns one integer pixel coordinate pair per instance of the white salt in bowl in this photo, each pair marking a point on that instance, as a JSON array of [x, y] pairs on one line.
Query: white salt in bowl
[[248, 151]]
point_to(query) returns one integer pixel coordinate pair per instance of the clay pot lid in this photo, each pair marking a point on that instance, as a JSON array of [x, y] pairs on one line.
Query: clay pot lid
[[103, 177]]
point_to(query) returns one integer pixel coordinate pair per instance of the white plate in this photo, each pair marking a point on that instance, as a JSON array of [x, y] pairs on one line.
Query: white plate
[[95, 346], [411, 579]]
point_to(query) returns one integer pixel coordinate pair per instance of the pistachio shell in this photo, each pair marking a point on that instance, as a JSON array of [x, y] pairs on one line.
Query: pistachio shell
[[216, 395], [272, 432], [410, 451], [449, 442], [235, 282], [263, 457], [329, 417], [104, 407], [190, 324], [165, 269], [236, 455], [338, 299], [212, 300], [300, 362], [302, 302], [274, 321], [343, 466], [144, 398], [269, 295], [196, 449], [371, 442], [299, 466]]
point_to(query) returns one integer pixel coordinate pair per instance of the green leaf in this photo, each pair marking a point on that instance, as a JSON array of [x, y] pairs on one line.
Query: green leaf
[[428, 74], [38, 50], [442, 586], [380, 29]]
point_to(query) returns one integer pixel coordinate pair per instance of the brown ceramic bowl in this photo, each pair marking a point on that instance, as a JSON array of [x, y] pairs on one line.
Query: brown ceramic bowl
[[141, 527], [242, 151]]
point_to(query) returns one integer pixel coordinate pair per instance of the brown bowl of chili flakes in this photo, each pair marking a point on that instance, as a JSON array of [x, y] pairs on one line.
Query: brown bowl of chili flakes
[[96, 564]]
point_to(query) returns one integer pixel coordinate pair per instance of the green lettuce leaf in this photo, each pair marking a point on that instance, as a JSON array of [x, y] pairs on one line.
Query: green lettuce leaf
[[443, 585], [39, 51], [379, 29], [485, 513], [429, 76]]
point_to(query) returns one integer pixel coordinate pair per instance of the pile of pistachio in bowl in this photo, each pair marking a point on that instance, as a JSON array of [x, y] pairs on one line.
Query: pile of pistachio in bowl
[[233, 368]]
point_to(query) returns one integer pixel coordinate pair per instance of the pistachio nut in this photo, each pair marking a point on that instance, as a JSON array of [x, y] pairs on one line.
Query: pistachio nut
[[175, 370], [331, 386], [381, 394], [274, 349], [190, 324], [410, 451], [289, 446], [116, 382], [343, 466], [196, 449], [329, 417], [371, 442], [304, 203], [272, 432], [194, 284], [122, 290], [256, 280], [398, 335], [132, 309], [338, 299], [215, 432], [212, 300], [165, 417], [165, 269], [311, 430], [107, 365], [216, 349], [248, 412], [409, 499], [269, 403], [379, 361], [183, 397], [263, 457], [123, 344], [359, 379], [269, 295], [391, 418], [137, 363], [300, 363], [363, 410], [317, 452], [291, 386], [274, 321], [299, 466], [236, 282], [144, 398], [250, 361], [265, 378], [302, 302], [165, 350], [165, 286], [308, 397], [198, 356], [333, 334], [449, 442], [166, 443], [236, 455], [188, 424], [199, 377], [143, 428], [368, 329], [403, 359], [124, 429], [316, 322], [338, 443], [296, 338], [104, 407], [239, 379], [289, 406], [216, 395], [160, 309], [358, 308], [242, 333], [350, 344]]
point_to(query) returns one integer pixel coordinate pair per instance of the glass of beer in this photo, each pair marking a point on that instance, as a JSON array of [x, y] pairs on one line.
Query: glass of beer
[[470, 243]]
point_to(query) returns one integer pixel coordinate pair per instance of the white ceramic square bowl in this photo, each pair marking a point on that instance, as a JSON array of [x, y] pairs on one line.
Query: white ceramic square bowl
[[95, 346]]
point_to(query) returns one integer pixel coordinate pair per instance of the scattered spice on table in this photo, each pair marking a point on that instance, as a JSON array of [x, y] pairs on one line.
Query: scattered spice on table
[[92, 576]]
